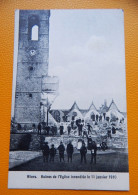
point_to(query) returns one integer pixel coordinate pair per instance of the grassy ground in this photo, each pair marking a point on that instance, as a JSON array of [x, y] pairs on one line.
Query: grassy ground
[[116, 162]]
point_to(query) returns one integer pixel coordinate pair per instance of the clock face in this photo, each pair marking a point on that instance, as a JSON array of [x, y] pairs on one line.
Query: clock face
[[32, 52]]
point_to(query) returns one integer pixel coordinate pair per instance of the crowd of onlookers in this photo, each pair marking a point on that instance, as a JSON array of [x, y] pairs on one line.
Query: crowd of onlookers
[[50, 152], [78, 127]]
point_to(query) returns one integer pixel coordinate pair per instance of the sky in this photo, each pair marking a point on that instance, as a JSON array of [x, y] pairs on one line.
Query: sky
[[86, 52]]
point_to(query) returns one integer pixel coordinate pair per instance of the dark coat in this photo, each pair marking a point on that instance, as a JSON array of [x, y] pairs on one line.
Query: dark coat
[[83, 150], [61, 130], [70, 148], [90, 143], [80, 127], [61, 149], [69, 128], [45, 150], [39, 126], [52, 151]]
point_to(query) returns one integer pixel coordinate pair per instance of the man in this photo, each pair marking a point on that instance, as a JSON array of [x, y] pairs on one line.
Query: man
[[52, 153], [55, 129], [52, 130], [84, 132], [47, 128], [45, 152], [61, 150], [80, 126], [69, 129], [113, 130], [89, 128], [72, 124], [61, 128], [70, 151], [90, 142], [39, 128], [109, 133], [77, 122], [83, 152], [93, 152]]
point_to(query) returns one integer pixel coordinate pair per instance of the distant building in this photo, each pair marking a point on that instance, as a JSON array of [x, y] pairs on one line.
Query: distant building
[[91, 113]]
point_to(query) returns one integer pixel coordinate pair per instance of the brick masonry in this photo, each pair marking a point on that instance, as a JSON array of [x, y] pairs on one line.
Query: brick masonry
[[31, 68], [34, 142]]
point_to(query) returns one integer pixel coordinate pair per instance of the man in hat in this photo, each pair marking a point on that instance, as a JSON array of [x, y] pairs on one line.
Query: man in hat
[[83, 152], [80, 126], [61, 150], [45, 152], [69, 129], [39, 128], [70, 151], [61, 129], [52, 153], [89, 140]]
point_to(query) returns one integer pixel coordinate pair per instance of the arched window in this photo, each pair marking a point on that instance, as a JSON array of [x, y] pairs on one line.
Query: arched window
[[93, 116], [33, 28], [34, 33]]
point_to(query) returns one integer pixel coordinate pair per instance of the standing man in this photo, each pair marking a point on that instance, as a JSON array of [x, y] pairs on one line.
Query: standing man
[[89, 128], [77, 122], [113, 130], [109, 133], [93, 152], [47, 128], [52, 153], [72, 124], [39, 128], [83, 152], [69, 129], [45, 152], [52, 130], [61, 150], [90, 142], [70, 151], [80, 126], [61, 128], [55, 129]]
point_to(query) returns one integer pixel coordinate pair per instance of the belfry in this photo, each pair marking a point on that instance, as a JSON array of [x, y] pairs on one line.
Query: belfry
[[32, 65]]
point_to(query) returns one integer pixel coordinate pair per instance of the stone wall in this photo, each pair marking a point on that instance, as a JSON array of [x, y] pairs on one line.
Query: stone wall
[[26, 141], [34, 141]]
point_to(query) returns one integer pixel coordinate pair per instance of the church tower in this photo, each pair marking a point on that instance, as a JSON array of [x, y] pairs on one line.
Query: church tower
[[32, 65]]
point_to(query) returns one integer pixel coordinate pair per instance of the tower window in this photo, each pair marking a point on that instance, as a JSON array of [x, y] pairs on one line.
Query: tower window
[[34, 33], [31, 68], [33, 28], [30, 95]]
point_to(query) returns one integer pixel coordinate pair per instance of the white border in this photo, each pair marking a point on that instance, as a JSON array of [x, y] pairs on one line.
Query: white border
[[88, 181], [16, 37]]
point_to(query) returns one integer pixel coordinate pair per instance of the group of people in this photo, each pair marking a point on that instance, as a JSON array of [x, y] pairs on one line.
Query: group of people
[[76, 126], [49, 153], [79, 125], [48, 129]]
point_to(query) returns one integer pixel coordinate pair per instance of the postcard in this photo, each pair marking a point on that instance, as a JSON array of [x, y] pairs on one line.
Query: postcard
[[69, 116]]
